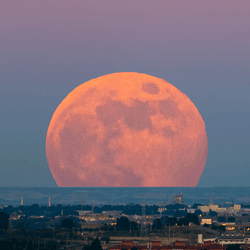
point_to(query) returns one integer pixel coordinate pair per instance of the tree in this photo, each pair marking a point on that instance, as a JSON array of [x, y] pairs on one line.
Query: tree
[[183, 222], [106, 239], [196, 205], [133, 225], [233, 247], [157, 224], [198, 212], [180, 213], [123, 223], [95, 245], [221, 219], [212, 213], [4, 220], [218, 228], [164, 219], [5, 244], [231, 219], [86, 248], [222, 228], [67, 223], [51, 245], [90, 239], [171, 221], [193, 218]]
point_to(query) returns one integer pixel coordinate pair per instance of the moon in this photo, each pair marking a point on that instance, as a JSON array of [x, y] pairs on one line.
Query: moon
[[126, 129]]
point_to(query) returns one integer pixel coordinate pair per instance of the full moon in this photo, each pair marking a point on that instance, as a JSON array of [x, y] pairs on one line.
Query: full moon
[[124, 130]]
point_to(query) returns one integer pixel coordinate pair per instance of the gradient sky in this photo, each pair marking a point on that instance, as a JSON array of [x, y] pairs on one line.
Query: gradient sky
[[47, 48]]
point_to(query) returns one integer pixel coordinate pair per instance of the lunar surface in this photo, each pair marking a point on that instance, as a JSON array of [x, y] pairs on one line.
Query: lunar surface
[[126, 129]]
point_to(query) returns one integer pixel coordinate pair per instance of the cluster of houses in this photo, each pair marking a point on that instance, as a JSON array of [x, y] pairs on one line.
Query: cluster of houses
[[219, 243], [178, 245]]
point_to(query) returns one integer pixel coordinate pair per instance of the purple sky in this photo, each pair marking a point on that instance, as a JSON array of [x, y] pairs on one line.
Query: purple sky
[[47, 48]]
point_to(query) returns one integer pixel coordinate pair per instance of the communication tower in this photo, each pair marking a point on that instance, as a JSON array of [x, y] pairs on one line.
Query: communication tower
[[21, 201], [143, 220], [177, 198], [82, 204]]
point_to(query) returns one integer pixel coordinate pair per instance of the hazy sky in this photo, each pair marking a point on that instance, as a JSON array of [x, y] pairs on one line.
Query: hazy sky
[[47, 48]]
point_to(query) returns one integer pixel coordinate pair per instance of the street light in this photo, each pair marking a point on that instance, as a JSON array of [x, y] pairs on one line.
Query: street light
[[38, 243]]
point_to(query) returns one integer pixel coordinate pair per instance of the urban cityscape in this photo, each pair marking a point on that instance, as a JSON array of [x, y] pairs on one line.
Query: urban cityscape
[[169, 225]]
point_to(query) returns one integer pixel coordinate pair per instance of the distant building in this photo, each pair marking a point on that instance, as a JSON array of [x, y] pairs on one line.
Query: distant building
[[162, 209], [114, 213], [91, 225], [230, 210], [226, 239], [190, 210], [84, 212], [206, 221], [156, 245]]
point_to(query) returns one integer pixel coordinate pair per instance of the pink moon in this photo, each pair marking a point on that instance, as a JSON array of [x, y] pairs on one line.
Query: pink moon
[[125, 130]]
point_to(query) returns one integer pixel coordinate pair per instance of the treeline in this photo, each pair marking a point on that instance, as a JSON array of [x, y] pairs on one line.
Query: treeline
[[129, 209], [123, 223], [21, 243]]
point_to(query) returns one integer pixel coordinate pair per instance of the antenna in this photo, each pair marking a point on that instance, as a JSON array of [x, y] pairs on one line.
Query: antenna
[[49, 202], [21, 201], [143, 210], [82, 204], [143, 226]]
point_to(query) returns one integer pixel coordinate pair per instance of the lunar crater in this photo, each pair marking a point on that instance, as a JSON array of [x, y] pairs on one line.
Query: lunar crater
[[150, 88]]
